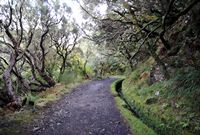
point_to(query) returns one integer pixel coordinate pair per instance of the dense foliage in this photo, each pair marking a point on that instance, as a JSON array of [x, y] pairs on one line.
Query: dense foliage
[[36, 45]]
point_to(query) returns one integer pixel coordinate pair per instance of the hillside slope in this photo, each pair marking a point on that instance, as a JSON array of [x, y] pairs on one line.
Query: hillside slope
[[170, 107]]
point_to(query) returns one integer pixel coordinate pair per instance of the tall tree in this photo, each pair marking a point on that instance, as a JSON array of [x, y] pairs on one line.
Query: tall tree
[[65, 40], [25, 43]]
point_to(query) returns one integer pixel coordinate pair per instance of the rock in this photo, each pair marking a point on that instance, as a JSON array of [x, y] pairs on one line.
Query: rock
[[36, 129], [51, 120], [151, 100], [156, 75], [102, 130], [117, 122], [157, 93]]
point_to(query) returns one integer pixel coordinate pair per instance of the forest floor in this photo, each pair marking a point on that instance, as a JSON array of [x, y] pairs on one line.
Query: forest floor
[[88, 110]]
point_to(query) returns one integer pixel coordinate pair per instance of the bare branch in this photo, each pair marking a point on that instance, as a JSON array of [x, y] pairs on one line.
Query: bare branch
[[20, 22]]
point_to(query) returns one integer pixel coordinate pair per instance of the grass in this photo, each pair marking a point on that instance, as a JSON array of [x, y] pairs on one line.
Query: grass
[[51, 94], [118, 76], [136, 125], [69, 77], [54, 93], [172, 113], [13, 121]]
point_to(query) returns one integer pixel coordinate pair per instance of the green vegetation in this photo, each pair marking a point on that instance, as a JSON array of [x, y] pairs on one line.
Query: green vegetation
[[15, 120], [164, 106], [45, 52], [70, 77], [136, 125]]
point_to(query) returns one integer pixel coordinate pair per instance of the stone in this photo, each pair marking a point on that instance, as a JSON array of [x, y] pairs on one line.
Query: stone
[[36, 129]]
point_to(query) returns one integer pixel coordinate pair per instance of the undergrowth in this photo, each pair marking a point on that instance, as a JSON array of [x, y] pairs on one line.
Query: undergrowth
[[170, 107], [69, 77]]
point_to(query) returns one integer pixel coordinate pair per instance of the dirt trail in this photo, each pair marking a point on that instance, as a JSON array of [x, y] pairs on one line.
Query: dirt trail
[[88, 110]]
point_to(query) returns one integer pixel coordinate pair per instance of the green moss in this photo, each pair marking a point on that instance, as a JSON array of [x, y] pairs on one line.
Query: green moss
[[169, 114], [136, 125], [113, 87], [54, 93], [152, 115], [9, 131], [14, 121]]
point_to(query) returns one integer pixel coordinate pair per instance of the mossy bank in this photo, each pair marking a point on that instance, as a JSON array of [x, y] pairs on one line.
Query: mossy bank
[[137, 127], [170, 107]]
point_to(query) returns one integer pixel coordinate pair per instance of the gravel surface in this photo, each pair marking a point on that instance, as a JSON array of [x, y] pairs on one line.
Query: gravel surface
[[88, 110]]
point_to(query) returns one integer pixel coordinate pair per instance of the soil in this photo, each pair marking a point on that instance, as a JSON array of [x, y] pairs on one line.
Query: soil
[[88, 110]]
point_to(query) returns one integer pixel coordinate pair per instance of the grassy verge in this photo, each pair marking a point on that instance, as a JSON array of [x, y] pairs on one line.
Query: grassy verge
[[136, 125], [53, 94]]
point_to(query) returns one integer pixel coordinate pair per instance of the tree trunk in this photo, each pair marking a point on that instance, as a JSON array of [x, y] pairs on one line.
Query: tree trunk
[[63, 67], [23, 82], [47, 78], [7, 75], [162, 64], [41, 71], [159, 61]]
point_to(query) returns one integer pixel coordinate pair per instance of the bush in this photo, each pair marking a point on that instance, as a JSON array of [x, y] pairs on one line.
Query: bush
[[176, 107], [70, 77]]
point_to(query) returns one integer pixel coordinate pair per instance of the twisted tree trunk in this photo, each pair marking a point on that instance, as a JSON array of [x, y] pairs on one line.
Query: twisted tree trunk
[[47, 78], [7, 79], [7, 75]]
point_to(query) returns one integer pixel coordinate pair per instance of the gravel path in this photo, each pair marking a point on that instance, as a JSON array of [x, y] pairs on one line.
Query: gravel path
[[88, 110]]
